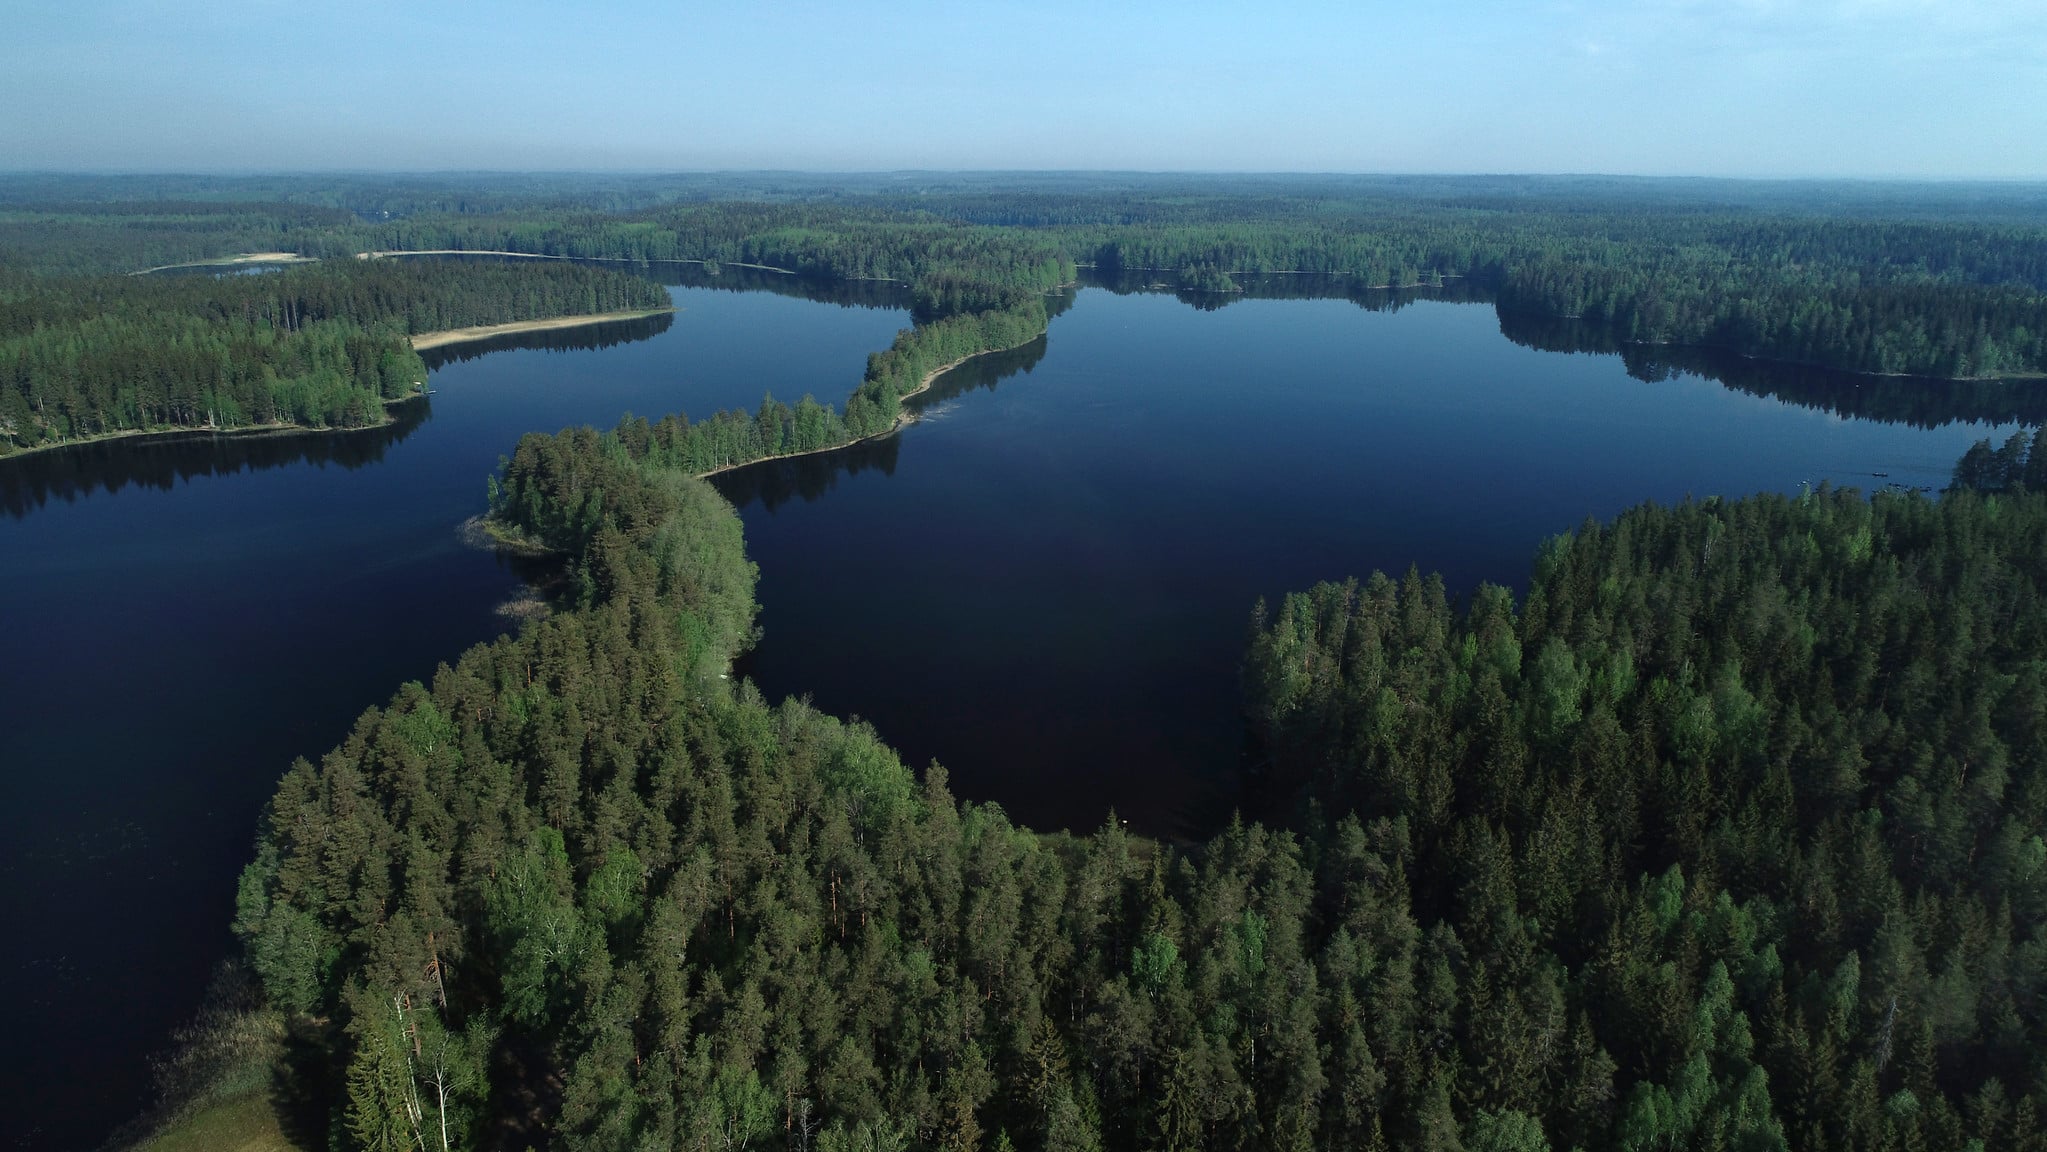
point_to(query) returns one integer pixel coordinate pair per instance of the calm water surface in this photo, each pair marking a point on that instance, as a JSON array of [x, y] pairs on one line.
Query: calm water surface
[[171, 645], [1045, 584]]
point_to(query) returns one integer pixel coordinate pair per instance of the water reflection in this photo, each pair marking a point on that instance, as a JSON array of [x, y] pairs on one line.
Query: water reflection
[[582, 338], [1290, 286], [217, 271], [675, 274], [726, 278], [1912, 401], [734, 278], [1918, 402], [162, 462], [774, 483], [1915, 401]]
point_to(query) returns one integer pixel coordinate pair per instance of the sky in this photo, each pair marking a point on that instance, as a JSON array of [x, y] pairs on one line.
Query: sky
[[1941, 89]]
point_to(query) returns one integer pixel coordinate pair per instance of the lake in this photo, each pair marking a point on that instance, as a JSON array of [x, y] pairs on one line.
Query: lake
[[234, 602], [1044, 584], [1047, 583]]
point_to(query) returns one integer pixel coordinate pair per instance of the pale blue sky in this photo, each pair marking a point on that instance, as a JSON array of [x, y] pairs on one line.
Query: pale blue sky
[[1911, 88]]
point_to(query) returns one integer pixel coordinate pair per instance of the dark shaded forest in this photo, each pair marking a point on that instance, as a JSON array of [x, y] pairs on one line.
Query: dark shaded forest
[[1729, 835], [162, 463], [320, 346]]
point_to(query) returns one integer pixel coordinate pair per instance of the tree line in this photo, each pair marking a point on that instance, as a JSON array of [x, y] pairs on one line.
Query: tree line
[[733, 437], [1727, 835], [82, 238], [1747, 794], [1944, 298], [1961, 297], [317, 346], [2020, 465]]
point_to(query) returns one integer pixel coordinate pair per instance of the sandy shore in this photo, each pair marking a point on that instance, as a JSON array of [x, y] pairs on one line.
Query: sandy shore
[[424, 340], [234, 261], [455, 252], [584, 259], [193, 432]]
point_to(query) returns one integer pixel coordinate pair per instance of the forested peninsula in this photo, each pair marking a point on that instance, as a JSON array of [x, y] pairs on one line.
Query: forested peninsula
[[1727, 835]]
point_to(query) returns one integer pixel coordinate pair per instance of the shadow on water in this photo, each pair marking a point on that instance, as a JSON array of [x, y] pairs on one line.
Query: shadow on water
[[728, 278], [162, 462], [582, 338], [732, 278], [1915, 401], [774, 483], [1289, 286]]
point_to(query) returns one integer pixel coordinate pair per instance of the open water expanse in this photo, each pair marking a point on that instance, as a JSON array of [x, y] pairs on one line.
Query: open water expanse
[[1045, 584]]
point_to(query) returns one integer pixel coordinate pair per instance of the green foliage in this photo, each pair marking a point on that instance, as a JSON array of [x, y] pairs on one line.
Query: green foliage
[[730, 438], [319, 346], [530, 912], [1880, 289], [1747, 854], [1504, 1132], [2019, 466], [1155, 962], [1748, 811]]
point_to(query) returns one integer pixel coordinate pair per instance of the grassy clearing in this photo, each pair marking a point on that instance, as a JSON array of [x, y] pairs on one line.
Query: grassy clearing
[[218, 1083], [246, 1125]]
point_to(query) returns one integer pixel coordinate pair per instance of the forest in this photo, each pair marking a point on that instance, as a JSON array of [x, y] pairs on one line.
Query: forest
[[1728, 834], [1874, 281], [320, 346], [1948, 298]]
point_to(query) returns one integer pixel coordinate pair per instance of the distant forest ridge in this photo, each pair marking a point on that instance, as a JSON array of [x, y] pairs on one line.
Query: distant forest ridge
[[1916, 280]]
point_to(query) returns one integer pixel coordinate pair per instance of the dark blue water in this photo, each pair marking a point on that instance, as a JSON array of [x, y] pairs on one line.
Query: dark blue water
[[171, 645], [1045, 584]]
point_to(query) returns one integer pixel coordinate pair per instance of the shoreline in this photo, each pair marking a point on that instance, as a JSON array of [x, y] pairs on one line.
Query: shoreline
[[382, 253], [421, 341], [1723, 349], [243, 431], [2029, 377], [235, 261], [902, 420]]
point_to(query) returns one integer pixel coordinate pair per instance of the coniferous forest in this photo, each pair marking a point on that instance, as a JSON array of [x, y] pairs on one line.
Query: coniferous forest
[[322, 346], [1727, 835], [1952, 288]]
